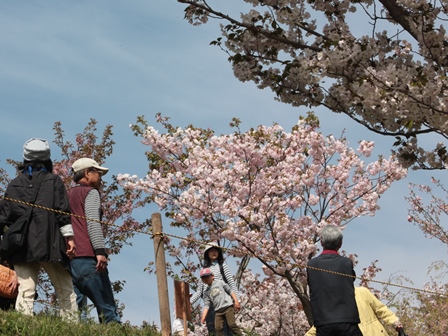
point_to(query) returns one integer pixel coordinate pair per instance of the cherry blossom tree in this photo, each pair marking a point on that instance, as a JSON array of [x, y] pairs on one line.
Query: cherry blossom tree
[[266, 192], [429, 206], [425, 312], [380, 62]]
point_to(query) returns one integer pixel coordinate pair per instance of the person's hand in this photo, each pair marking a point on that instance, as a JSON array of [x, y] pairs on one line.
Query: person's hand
[[237, 306], [399, 328], [101, 263], [398, 325], [71, 247], [203, 319]]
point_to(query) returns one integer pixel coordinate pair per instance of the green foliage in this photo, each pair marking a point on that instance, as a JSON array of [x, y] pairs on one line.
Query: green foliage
[[14, 323]]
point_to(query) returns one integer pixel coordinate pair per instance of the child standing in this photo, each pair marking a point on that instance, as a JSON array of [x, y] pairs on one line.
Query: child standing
[[224, 301]]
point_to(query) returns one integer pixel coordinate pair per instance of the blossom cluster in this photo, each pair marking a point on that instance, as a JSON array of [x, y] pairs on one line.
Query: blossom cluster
[[429, 208], [348, 57]]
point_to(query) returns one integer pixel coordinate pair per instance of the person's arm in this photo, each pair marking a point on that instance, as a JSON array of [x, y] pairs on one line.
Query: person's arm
[[92, 210], [228, 290], [198, 294], [63, 218], [204, 315], [236, 303], [380, 309], [229, 278], [311, 332], [206, 307], [61, 203], [71, 247]]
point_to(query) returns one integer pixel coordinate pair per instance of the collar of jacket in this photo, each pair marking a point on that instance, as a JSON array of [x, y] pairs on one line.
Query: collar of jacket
[[329, 252]]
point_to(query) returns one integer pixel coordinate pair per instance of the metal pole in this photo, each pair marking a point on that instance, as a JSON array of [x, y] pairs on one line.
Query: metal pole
[[162, 283]]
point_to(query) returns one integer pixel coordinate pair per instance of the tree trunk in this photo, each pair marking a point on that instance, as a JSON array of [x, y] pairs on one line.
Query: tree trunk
[[301, 293], [241, 269]]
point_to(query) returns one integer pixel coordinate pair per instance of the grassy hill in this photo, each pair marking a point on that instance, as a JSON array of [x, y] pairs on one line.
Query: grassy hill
[[13, 323]]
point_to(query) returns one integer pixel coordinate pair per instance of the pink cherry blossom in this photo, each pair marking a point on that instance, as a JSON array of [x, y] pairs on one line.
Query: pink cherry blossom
[[382, 64]]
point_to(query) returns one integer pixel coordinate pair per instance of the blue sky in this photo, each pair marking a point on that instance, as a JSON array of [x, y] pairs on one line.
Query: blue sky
[[113, 60]]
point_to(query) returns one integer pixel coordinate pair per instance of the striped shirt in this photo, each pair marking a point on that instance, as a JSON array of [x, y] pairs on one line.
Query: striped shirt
[[92, 208]]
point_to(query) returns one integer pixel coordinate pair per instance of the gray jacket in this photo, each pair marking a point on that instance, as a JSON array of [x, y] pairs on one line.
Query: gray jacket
[[218, 293]]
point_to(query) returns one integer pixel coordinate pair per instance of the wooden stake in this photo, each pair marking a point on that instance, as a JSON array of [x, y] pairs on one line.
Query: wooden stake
[[162, 283], [182, 303]]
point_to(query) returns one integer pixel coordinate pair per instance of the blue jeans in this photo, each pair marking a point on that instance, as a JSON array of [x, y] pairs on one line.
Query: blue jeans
[[96, 286], [81, 301]]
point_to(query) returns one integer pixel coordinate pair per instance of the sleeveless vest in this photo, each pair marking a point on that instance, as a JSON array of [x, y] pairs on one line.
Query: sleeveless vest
[[77, 197]]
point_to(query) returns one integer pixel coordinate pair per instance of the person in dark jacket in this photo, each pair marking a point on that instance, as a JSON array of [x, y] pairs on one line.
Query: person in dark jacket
[[89, 267], [50, 242], [332, 293]]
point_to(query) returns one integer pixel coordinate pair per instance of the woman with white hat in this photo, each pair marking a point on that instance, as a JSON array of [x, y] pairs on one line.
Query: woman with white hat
[[214, 259]]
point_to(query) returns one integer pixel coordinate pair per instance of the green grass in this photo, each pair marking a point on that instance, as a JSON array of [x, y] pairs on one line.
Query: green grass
[[14, 323]]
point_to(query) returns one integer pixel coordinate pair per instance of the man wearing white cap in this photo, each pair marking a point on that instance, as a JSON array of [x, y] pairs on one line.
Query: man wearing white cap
[[89, 267]]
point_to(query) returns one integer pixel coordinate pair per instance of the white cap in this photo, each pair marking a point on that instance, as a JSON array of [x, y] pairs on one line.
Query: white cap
[[212, 245], [84, 163], [36, 149]]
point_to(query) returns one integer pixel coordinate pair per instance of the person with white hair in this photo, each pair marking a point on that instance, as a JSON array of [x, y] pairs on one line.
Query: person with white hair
[[332, 293]]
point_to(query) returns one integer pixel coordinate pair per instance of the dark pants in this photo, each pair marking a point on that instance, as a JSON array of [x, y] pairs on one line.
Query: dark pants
[[226, 315], [339, 329], [96, 286], [210, 320]]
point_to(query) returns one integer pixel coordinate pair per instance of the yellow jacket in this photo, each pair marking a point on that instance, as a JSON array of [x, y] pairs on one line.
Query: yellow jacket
[[370, 311]]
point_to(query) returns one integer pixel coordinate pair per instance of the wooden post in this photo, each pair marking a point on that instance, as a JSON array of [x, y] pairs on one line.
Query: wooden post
[[182, 303], [162, 283], [185, 306]]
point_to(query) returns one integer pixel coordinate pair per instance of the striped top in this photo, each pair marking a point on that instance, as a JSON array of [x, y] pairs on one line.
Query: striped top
[[214, 267], [92, 208]]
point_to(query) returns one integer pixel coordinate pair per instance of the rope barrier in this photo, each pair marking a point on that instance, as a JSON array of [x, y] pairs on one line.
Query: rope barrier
[[67, 213], [386, 283], [234, 250]]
